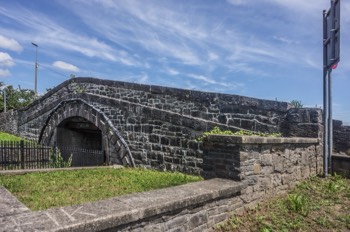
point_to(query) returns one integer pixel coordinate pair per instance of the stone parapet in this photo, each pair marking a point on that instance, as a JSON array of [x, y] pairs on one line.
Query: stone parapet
[[265, 165]]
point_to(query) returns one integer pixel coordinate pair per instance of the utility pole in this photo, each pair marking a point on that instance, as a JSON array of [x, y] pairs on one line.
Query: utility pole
[[36, 69], [331, 50]]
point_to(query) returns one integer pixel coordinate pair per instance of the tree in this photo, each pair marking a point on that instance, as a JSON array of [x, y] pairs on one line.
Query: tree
[[15, 98]]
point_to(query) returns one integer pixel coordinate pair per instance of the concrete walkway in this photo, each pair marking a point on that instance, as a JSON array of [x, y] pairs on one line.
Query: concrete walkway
[[9, 205]]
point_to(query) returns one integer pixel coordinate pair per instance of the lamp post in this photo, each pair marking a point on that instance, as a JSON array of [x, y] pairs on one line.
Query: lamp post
[[36, 69]]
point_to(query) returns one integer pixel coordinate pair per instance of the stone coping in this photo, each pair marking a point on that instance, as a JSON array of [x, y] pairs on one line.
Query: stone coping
[[260, 140], [194, 95], [341, 156], [114, 212]]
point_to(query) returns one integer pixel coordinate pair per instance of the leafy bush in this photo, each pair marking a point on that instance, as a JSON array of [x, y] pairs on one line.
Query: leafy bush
[[57, 161], [297, 203]]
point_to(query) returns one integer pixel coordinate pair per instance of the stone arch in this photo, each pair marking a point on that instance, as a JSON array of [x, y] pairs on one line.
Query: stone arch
[[117, 149]]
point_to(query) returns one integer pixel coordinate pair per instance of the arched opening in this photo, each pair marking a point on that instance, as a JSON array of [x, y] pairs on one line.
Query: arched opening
[[80, 138], [74, 111]]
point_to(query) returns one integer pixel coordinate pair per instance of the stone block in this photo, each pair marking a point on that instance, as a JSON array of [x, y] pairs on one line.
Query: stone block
[[176, 222], [220, 218], [164, 141], [278, 165], [153, 138], [266, 159], [197, 220], [257, 168]]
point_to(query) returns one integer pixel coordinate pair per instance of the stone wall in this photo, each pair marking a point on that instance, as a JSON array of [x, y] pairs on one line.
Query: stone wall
[[160, 124], [265, 165], [341, 138], [303, 122], [252, 167], [341, 165], [224, 109]]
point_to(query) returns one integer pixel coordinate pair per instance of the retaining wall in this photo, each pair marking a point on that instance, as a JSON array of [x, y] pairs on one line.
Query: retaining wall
[[250, 169], [266, 165]]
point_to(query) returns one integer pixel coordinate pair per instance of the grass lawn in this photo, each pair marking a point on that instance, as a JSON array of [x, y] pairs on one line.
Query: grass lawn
[[40, 191], [318, 204], [9, 137]]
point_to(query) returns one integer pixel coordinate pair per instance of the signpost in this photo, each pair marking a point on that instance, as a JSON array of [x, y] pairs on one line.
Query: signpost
[[331, 50]]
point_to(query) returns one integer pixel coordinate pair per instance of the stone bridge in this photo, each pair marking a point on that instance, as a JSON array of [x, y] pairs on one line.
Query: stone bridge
[[146, 125]]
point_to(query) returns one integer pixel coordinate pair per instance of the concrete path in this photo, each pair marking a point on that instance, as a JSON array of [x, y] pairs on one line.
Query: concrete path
[[9, 205]]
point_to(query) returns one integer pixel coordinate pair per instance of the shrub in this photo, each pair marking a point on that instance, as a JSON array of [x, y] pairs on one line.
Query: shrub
[[57, 161]]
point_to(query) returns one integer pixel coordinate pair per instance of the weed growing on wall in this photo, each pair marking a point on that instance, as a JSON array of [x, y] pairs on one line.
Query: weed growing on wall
[[297, 104], [217, 131]]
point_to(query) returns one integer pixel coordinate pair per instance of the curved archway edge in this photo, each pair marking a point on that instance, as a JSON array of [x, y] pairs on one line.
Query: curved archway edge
[[81, 108]]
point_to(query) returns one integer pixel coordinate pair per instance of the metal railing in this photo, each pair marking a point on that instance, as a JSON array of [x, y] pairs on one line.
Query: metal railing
[[23, 155], [82, 157], [30, 155]]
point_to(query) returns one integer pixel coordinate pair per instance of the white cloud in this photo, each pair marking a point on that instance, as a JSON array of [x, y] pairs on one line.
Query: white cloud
[[285, 40], [65, 66], [172, 71], [153, 27], [10, 44], [299, 5], [213, 56], [236, 2], [6, 60], [143, 78], [202, 78], [4, 73], [52, 34]]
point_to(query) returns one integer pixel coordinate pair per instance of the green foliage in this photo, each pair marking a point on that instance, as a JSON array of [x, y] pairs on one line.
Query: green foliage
[[217, 131], [9, 137], [296, 104], [317, 204], [57, 161], [297, 203], [15, 98], [43, 190]]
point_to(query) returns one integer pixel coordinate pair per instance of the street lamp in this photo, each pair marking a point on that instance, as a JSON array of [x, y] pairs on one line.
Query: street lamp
[[36, 69], [3, 89]]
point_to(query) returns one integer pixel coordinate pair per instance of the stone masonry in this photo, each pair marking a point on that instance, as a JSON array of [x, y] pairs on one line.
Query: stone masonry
[[267, 166], [250, 170], [158, 125]]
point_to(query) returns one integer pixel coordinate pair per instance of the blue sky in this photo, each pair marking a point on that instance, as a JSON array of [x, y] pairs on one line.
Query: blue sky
[[270, 49]]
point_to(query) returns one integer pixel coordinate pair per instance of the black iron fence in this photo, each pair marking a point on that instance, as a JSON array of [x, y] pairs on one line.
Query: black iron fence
[[23, 155], [30, 155], [82, 157]]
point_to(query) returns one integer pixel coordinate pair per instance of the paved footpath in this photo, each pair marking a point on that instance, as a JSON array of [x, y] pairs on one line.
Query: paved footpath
[[9, 205]]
